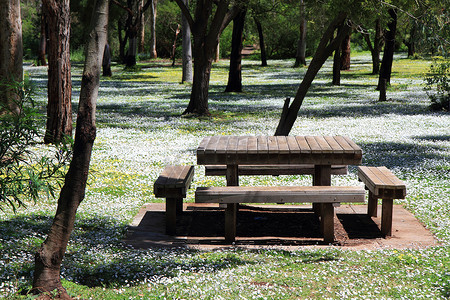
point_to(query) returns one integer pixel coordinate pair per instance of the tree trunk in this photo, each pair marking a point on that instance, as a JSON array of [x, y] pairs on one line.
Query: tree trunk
[[106, 62], [203, 60], [326, 46], [235, 74], [153, 53], [345, 53], [174, 46], [59, 108], [42, 61], [261, 42], [300, 58], [388, 55], [411, 44], [141, 28], [49, 256], [206, 28], [11, 51], [376, 47], [217, 52], [187, 49], [337, 67]]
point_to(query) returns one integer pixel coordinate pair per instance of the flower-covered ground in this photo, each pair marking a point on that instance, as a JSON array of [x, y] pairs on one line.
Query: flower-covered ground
[[140, 131]]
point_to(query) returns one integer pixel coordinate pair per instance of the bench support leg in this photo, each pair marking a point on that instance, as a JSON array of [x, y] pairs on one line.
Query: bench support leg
[[171, 214], [230, 222], [386, 217], [372, 205], [322, 176], [327, 222]]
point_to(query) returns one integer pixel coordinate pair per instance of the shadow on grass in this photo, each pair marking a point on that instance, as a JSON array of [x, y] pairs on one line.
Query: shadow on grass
[[402, 155], [96, 256]]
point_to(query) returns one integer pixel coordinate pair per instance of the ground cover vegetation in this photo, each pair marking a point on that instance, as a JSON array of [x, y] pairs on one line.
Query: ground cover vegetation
[[140, 131]]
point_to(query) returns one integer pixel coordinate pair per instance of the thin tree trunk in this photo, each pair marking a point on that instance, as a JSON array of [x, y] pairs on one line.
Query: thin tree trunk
[[326, 46], [42, 61], [262, 46], [388, 55], [11, 51], [235, 74], [141, 28], [300, 58], [59, 108], [337, 67], [153, 11], [217, 53], [49, 256], [345, 53], [187, 49], [174, 46], [376, 47]]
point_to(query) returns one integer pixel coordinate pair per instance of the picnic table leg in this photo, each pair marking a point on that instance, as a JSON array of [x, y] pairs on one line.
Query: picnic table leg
[[372, 205], [231, 209], [171, 215], [386, 217], [230, 222], [322, 176], [327, 222]]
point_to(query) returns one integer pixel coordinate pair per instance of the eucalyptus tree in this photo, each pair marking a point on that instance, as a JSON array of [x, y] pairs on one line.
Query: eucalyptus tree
[[349, 12], [187, 75], [11, 51], [48, 257], [59, 108], [207, 24]]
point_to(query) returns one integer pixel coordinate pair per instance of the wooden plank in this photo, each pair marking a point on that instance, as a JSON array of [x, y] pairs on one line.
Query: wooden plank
[[393, 179], [294, 148], [323, 144], [356, 148], [263, 148], [280, 194], [231, 150], [230, 222], [242, 148], [303, 144], [334, 144], [252, 145], [313, 145], [275, 169], [206, 149], [344, 144], [283, 150], [372, 182]]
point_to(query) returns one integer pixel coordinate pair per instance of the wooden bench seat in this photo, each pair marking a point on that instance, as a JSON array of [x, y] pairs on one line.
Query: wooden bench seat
[[326, 196], [275, 170], [172, 184], [382, 184]]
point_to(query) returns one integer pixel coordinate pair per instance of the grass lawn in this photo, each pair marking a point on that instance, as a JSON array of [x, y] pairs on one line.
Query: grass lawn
[[140, 131]]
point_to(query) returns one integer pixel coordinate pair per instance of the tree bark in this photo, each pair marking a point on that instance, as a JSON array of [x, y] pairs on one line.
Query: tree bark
[[388, 55], [153, 53], [262, 46], [300, 58], [42, 61], [235, 74], [49, 256], [187, 48], [345, 53], [59, 108], [11, 51], [326, 46]]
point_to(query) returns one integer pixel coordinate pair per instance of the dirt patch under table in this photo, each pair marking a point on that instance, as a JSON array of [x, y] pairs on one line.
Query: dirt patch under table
[[288, 227]]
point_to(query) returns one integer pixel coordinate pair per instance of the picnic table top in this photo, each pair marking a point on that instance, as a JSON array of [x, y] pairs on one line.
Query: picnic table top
[[263, 150]]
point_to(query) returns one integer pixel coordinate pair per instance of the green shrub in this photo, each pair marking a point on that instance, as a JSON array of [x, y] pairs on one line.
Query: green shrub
[[438, 85], [27, 167]]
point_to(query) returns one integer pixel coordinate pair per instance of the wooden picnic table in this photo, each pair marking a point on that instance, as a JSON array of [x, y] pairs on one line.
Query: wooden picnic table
[[321, 151]]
